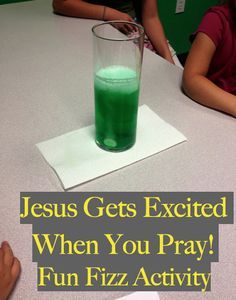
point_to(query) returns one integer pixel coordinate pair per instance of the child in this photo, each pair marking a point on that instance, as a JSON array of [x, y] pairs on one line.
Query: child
[[105, 10], [9, 270], [210, 70]]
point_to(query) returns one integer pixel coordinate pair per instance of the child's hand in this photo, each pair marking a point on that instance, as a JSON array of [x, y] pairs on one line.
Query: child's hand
[[9, 270], [113, 14]]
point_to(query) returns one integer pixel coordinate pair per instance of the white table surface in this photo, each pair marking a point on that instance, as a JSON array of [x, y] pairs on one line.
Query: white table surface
[[46, 90]]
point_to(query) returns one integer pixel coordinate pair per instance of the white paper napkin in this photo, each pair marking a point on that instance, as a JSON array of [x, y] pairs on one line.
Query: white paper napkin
[[76, 158], [141, 296]]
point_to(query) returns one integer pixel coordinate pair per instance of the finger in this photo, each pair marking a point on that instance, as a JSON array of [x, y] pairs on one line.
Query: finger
[[10, 279], [128, 18], [129, 27], [1, 257], [16, 269], [7, 254], [123, 29], [135, 28], [119, 27]]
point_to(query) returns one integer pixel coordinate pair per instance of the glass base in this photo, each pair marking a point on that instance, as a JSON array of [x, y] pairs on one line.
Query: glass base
[[110, 145]]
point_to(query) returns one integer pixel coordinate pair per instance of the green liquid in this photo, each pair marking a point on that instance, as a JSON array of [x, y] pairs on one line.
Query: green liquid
[[116, 104]]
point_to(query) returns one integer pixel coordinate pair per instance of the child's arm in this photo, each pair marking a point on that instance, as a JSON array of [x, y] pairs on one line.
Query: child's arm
[[154, 29], [195, 83], [82, 9]]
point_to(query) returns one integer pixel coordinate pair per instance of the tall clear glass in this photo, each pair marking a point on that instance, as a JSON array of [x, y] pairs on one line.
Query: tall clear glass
[[118, 52]]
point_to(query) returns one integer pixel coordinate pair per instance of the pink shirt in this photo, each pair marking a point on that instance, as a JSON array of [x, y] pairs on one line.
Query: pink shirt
[[218, 25]]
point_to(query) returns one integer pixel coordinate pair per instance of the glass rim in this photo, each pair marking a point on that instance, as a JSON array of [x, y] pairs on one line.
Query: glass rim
[[141, 34]]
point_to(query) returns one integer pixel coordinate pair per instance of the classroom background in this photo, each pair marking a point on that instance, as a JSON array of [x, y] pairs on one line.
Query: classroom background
[[178, 25]]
